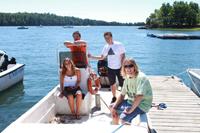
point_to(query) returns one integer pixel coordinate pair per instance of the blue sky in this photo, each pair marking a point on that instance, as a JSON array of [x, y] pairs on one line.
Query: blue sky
[[108, 10]]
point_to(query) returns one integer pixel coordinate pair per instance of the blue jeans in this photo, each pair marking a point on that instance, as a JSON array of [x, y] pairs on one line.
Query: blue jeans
[[127, 117]]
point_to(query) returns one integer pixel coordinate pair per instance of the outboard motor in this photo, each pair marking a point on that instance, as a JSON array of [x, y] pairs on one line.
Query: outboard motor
[[3, 61], [102, 66], [12, 61]]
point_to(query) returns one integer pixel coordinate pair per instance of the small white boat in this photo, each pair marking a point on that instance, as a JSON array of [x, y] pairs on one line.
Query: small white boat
[[11, 76], [69, 26], [95, 114], [22, 27], [194, 75]]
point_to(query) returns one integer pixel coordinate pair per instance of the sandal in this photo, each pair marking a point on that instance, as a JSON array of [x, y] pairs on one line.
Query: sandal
[[78, 117]]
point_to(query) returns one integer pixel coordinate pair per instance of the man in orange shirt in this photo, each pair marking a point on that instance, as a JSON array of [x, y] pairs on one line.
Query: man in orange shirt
[[78, 50]]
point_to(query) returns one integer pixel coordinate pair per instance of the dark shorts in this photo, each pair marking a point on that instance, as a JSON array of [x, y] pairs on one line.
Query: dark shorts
[[127, 117], [112, 73], [73, 91]]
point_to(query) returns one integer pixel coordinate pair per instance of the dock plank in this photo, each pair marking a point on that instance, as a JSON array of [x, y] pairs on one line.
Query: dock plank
[[183, 106]]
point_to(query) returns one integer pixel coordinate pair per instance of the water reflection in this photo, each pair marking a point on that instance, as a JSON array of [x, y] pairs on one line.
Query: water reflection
[[12, 95]]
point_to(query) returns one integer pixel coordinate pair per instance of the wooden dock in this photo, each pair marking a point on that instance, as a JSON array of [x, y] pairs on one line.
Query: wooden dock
[[183, 107]]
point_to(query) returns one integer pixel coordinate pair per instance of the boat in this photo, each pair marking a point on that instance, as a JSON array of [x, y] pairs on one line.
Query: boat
[[174, 36], [143, 27], [52, 114], [10, 71], [11, 76], [194, 75], [69, 26], [22, 27]]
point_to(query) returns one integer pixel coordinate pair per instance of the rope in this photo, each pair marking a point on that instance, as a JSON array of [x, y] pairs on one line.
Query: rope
[[179, 73], [118, 128], [104, 102], [173, 76]]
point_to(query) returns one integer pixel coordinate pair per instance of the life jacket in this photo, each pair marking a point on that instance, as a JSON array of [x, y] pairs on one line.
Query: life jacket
[[93, 80], [79, 56]]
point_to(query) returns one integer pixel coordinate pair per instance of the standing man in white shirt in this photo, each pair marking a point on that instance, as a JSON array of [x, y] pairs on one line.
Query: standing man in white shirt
[[115, 53]]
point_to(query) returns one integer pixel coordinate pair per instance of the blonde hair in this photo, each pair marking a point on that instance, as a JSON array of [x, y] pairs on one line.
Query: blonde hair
[[130, 61], [64, 69]]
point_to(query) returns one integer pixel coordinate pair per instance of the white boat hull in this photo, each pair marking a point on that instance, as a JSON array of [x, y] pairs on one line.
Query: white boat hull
[[39, 117], [11, 76], [195, 78]]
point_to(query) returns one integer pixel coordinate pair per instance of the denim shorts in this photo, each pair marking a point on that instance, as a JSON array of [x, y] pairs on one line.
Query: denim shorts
[[127, 117]]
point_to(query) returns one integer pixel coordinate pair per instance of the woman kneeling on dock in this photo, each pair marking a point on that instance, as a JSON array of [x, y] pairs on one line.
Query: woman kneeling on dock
[[70, 78], [139, 92]]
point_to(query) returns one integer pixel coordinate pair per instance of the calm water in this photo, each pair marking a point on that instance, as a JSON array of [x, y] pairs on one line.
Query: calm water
[[37, 48]]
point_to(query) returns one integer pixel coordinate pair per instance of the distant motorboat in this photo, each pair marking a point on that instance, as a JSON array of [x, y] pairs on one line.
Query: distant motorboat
[[194, 75], [40, 26], [68, 26], [143, 27], [174, 36], [22, 27]]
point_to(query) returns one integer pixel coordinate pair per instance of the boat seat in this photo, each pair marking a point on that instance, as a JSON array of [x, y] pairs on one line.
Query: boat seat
[[62, 56], [79, 58]]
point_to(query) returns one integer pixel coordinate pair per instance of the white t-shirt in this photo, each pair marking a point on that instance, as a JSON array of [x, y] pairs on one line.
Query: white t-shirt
[[113, 53]]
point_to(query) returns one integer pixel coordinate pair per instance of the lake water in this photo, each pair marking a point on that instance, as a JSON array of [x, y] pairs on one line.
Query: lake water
[[37, 48]]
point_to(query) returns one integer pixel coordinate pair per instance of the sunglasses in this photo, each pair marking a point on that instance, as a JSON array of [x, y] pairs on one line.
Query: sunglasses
[[128, 66]]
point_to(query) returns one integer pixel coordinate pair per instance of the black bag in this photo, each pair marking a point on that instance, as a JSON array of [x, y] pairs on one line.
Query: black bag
[[102, 70], [102, 66]]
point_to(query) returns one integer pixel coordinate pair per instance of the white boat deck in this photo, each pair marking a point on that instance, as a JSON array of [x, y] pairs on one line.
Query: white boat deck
[[97, 120], [181, 116]]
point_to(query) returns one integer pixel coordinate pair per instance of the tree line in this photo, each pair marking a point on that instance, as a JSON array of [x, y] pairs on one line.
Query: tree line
[[47, 19], [179, 15]]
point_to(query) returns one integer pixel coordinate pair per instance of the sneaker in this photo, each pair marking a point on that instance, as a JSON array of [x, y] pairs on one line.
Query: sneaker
[[113, 99]]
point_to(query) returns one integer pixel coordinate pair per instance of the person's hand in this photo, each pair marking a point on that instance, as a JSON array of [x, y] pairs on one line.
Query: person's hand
[[76, 87], [95, 90], [89, 55], [113, 112], [61, 95]]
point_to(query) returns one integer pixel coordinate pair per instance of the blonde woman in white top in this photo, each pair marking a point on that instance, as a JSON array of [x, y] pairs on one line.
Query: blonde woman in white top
[[70, 78]]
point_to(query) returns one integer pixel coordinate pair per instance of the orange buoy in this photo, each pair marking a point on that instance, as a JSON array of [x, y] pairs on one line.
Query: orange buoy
[[93, 79]]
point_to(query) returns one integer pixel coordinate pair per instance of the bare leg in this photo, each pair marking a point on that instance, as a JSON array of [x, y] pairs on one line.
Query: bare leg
[[71, 103], [115, 118], [113, 88], [78, 104]]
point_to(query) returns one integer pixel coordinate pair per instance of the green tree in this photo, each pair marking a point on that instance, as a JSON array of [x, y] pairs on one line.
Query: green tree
[[36, 19], [180, 14], [165, 15]]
